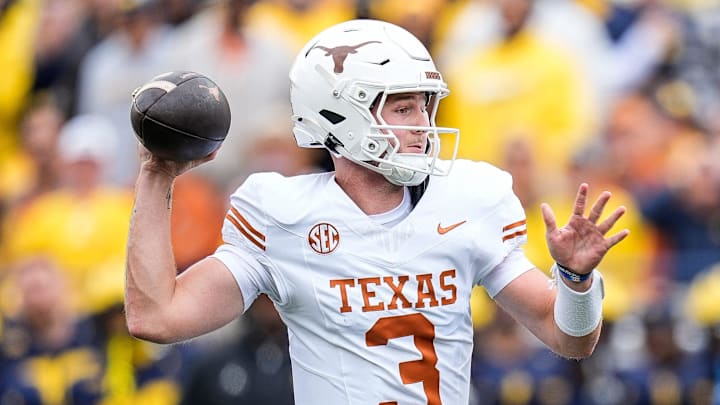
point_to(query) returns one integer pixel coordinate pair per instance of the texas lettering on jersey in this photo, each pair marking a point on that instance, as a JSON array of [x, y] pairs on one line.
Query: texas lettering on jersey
[[431, 290]]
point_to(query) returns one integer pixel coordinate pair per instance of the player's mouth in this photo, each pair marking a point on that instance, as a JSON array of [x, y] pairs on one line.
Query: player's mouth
[[414, 148]]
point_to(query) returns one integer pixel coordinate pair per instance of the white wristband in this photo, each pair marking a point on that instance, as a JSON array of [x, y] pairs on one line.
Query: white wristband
[[578, 313]]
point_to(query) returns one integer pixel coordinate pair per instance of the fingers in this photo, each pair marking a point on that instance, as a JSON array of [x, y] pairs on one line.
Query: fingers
[[610, 221], [598, 207], [615, 239], [580, 200], [605, 226], [548, 217]]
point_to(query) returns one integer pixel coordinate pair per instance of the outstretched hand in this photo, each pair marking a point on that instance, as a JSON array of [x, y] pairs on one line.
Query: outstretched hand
[[169, 167], [581, 244]]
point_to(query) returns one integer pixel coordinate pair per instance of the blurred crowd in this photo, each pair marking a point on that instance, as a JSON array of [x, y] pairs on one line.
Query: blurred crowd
[[622, 94]]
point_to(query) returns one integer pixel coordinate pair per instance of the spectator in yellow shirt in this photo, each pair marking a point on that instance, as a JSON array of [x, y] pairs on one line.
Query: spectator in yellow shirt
[[83, 224], [519, 87]]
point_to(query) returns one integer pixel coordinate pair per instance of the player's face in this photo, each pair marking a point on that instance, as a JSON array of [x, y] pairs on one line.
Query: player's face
[[408, 109]]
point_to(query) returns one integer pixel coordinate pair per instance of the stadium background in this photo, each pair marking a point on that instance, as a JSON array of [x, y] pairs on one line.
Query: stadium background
[[624, 94]]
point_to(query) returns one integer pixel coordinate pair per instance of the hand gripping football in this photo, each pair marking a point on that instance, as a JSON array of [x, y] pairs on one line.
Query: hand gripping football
[[180, 116]]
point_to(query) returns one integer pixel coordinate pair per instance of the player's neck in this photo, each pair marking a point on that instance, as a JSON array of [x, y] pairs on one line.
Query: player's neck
[[370, 191]]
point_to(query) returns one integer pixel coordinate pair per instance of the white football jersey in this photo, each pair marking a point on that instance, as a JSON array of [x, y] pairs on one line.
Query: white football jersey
[[375, 314]]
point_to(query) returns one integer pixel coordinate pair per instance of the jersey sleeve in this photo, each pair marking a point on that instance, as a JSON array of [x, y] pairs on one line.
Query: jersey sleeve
[[244, 243], [512, 266], [503, 259]]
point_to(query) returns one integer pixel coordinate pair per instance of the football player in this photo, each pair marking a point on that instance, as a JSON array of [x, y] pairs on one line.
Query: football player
[[371, 266]]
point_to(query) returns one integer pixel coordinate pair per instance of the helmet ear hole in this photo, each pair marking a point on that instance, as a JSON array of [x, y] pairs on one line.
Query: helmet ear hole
[[331, 116], [376, 101]]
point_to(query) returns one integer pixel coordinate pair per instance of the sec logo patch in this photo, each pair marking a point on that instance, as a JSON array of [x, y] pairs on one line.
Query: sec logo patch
[[324, 238]]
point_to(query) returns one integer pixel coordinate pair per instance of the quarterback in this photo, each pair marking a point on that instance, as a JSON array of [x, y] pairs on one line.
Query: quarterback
[[371, 266]]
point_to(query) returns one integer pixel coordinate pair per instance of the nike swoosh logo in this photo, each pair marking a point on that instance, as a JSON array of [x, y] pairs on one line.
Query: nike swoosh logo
[[443, 230]]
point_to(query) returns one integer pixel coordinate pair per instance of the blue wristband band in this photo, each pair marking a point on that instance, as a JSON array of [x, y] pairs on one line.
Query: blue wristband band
[[571, 275]]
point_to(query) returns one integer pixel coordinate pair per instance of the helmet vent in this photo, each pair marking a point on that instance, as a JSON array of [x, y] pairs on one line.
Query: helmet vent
[[334, 118]]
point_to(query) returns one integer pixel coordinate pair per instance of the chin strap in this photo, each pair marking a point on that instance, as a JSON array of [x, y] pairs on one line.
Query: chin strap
[[414, 172], [417, 192]]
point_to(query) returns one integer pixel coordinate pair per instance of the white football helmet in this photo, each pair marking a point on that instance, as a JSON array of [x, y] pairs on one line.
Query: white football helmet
[[341, 73]]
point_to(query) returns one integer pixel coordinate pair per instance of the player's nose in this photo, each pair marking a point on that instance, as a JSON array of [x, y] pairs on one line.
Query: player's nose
[[421, 120]]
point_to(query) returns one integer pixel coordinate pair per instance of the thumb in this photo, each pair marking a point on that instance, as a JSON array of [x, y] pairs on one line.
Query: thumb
[[548, 218]]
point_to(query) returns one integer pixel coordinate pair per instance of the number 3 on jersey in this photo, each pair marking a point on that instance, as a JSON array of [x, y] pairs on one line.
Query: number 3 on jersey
[[422, 370]]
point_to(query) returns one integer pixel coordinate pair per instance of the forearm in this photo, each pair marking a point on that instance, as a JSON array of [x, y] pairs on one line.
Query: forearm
[[151, 271], [544, 323], [572, 347], [531, 300], [577, 314]]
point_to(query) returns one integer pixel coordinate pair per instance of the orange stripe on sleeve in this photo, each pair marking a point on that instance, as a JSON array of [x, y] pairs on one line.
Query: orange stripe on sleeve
[[514, 235], [514, 225], [247, 224], [242, 229]]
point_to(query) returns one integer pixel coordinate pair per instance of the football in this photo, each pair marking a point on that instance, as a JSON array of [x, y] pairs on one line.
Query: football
[[180, 116]]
